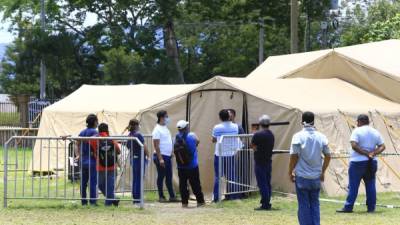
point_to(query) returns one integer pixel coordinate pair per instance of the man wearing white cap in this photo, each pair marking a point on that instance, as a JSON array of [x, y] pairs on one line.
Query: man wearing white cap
[[263, 144], [185, 149]]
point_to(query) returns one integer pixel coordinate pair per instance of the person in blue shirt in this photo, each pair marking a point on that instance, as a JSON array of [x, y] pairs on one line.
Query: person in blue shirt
[[366, 143], [226, 127], [87, 161], [307, 169], [189, 172], [135, 153]]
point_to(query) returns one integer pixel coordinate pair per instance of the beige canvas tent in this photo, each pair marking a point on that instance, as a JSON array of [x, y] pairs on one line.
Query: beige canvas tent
[[335, 102], [374, 67], [115, 105]]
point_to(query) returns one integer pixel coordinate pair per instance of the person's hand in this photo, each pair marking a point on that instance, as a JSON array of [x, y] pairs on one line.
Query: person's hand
[[322, 177], [162, 163], [292, 177], [371, 155], [76, 159]]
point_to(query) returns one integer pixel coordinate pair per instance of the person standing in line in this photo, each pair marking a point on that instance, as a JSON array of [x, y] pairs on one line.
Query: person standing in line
[[188, 166], [87, 162], [232, 116], [307, 169], [162, 142], [226, 127], [366, 143], [135, 153], [263, 144]]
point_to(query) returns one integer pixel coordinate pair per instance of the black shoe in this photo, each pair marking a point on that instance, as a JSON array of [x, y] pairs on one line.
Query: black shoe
[[162, 200], [344, 211], [175, 199], [185, 206], [115, 203], [201, 204], [262, 208]]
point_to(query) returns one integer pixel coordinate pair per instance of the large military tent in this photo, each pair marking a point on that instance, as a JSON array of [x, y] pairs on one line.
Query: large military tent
[[335, 102], [374, 67], [115, 105]]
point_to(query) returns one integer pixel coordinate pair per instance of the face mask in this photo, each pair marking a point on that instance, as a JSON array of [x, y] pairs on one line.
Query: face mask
[[167, 120]]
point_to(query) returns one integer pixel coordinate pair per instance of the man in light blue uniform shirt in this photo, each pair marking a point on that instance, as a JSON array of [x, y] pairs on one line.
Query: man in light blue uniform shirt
[[366, 143], [307, 169], [226, 127]]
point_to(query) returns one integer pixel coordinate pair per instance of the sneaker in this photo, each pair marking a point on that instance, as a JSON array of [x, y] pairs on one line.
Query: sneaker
[[344, 211], [175, 199], [262, 209], [162, 200]]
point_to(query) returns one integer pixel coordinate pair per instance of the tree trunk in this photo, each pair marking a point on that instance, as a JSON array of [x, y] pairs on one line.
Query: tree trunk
[[294, 20], [172, 49]]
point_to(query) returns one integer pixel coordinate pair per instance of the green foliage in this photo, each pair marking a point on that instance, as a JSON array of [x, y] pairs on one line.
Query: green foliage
[[389, 29]]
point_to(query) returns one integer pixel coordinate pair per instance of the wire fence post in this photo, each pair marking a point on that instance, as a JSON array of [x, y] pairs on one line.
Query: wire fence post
[[220, 169], [141, 175]]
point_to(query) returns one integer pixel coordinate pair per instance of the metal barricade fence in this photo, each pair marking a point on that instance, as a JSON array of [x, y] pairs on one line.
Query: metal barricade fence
[[42, 172], [236, 167]]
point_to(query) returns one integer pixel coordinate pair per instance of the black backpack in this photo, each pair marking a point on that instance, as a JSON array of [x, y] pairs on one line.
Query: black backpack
[[181, 150], [107, 154]]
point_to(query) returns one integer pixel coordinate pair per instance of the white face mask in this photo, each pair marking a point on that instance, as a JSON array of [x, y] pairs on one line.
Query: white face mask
[[166, 121]]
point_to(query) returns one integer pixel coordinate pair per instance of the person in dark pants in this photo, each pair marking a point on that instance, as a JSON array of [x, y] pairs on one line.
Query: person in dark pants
[[366, 143], [307, 169], [105, 152], [263, 144], [135, 153], [87, 161], [190, 171], [162, 142]]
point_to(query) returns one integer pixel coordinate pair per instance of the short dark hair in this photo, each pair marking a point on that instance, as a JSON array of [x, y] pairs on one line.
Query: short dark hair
[[91, 120], [103, 127], [308, 117], [363, 118], [161, 114], [232, 111], [224, 115], [132, 124]]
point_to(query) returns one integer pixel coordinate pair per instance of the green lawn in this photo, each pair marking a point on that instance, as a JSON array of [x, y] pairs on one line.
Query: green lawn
[[233, 212], [9, 119]]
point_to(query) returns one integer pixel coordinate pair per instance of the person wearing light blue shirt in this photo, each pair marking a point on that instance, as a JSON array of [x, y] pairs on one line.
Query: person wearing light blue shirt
[[226, 127], [307, 169], [366, 143]]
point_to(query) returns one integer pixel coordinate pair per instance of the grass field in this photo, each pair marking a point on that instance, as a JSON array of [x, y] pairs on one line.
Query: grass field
[[9, 119], [233, 212]]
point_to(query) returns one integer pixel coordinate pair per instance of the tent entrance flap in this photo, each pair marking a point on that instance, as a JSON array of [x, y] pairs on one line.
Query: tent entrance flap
[[244, 110]]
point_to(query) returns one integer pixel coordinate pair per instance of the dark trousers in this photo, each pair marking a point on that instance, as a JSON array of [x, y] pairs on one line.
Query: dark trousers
[[263, 177], [164, 173], [136, 179], [366, 171], [228, 171], [106, 185], [307, 191], [89, 176], [193, 176]]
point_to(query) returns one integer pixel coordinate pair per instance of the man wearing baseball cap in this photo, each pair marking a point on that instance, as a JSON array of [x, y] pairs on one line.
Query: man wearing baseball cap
[[366, 143], [263, 144], [188, 168]]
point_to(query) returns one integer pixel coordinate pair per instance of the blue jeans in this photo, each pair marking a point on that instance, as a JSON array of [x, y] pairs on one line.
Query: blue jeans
[[308, 200], [228, 170], [263, 177], [89, 175], [106, 185], [164, 172], [136, 179], [366, 171]]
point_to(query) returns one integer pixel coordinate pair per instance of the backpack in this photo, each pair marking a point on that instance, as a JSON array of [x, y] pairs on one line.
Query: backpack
[[181, 150], [107, 154]]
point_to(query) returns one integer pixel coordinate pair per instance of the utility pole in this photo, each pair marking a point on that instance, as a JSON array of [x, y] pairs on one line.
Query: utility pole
[[294, 26], [261, 43], [42, 65]]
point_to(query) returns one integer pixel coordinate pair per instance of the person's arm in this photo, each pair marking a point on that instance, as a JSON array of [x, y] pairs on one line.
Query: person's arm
[[358, 149], [197, 139], [327, 160], [378, 150], [77, 149], [156, 143], [294, 158], [253, 144], [214, 140]]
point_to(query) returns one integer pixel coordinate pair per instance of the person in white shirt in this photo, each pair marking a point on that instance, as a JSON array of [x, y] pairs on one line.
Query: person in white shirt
[[162, 141], [366, 143]]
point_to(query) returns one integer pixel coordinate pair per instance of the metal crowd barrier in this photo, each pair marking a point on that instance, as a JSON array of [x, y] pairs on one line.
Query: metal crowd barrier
[[44, 174], [236, 167]]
